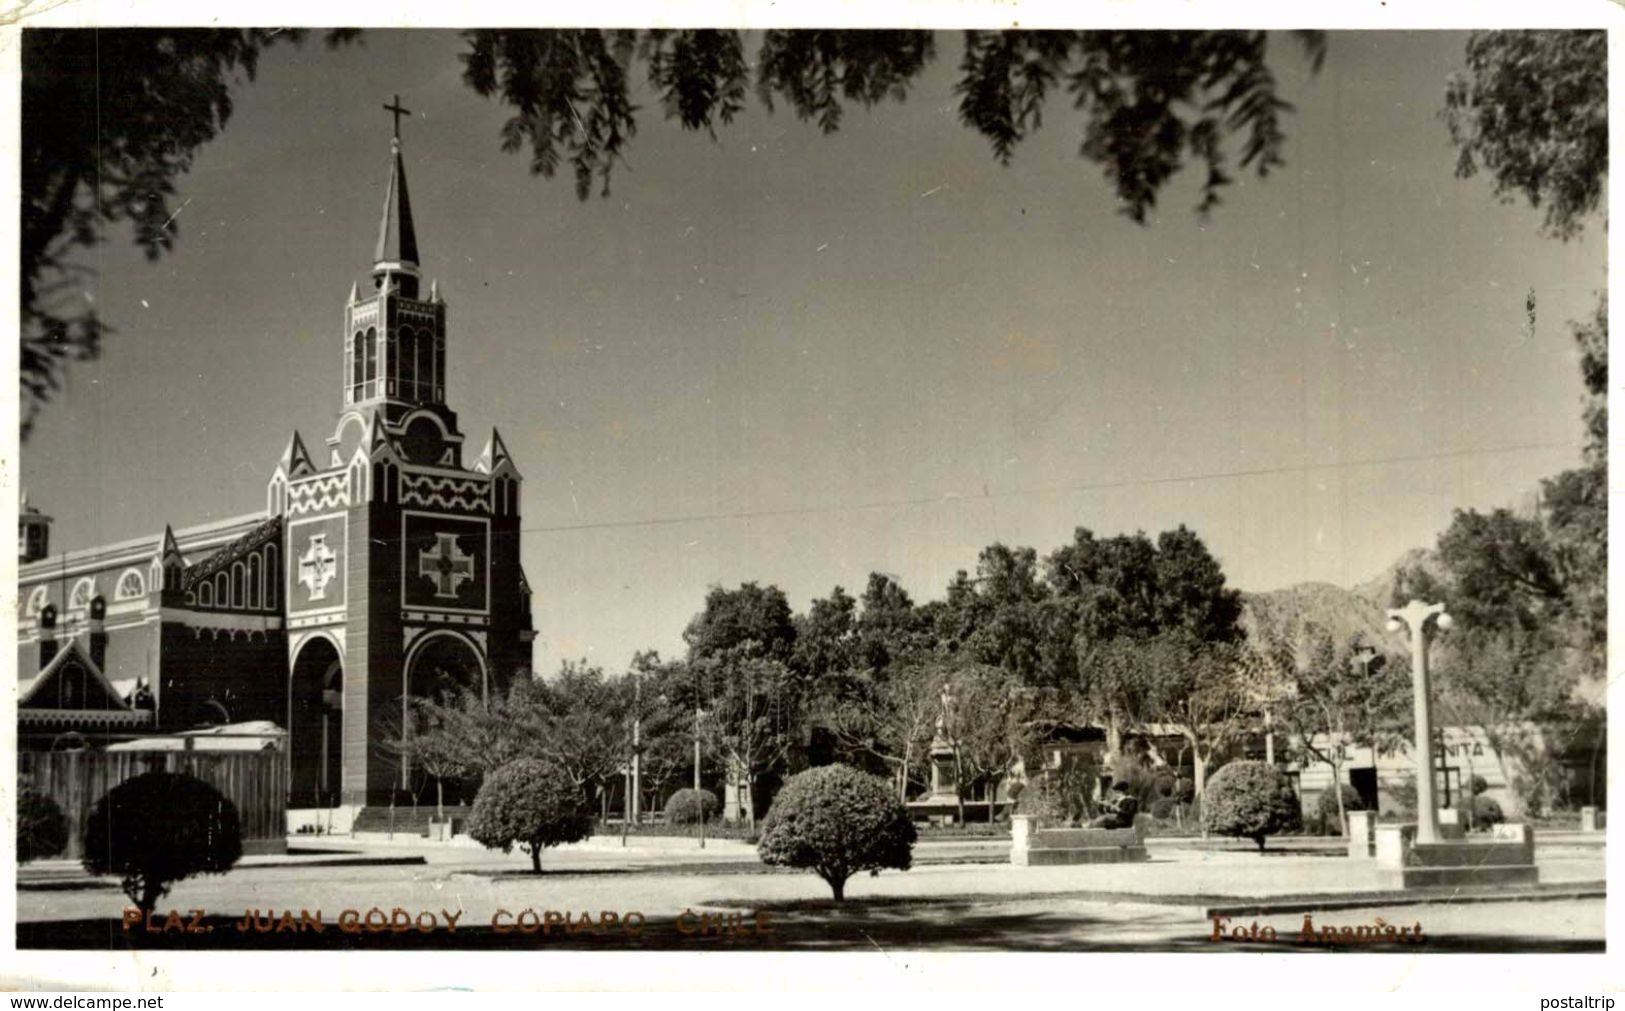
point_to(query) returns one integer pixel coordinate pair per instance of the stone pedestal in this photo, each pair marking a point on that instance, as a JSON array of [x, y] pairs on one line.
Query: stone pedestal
[[1022, 827], [1362, 834], [1592, 820], [1507, 857], [1450, 824]]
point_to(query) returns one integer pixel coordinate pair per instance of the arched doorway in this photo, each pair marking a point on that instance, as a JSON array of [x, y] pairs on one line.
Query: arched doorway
[[440, 664], [315, 724], [440, 667]]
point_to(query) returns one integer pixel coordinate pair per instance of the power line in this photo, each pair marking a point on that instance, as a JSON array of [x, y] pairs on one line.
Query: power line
[[1225, 475]]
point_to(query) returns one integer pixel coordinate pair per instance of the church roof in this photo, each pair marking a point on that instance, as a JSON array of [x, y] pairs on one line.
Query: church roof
[[238, 548], [397, 239], [41, 698]]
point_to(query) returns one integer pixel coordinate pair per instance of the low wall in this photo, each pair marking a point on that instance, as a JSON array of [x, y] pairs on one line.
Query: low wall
[[1033, 846]]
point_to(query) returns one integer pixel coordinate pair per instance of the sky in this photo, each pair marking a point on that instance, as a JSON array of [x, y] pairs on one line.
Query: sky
[[794, 358]]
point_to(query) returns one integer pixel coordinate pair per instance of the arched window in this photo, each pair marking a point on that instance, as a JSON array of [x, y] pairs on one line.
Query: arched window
[[252, 599], [130, 586], [222, 590], [205, 594], [409, 363], [372, 363], [272, 576], [36, 601], [239, 585], [71, 687], [358, 482], [439, 368], [82, 592], [425, 367], [358, 358]]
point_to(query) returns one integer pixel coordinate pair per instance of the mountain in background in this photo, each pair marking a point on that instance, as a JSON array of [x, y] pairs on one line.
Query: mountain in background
[[1362, 610]]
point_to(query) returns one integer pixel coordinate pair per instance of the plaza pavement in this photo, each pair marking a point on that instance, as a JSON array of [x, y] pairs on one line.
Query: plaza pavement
[[1160, 904]]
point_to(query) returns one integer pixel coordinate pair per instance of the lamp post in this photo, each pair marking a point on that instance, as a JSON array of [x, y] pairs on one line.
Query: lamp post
[[1422, 620]]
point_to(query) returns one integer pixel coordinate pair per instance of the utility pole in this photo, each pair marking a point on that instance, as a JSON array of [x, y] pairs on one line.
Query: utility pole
[[637, 749]]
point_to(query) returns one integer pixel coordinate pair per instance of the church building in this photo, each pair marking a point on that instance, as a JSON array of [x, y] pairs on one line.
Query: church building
[[384, 565]]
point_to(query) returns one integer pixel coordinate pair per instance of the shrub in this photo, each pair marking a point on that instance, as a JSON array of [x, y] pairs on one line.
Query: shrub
[[1250, 800], [1162, 808], [1477, 785], [1403, 795], [1486, 813], [690, 807], [532, 803], [41, 830], [837, 821], [159, 828], [1326, 808]]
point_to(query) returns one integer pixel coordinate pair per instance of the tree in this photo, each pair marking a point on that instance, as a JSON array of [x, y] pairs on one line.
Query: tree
[[425, 739], [654, 691], [755, 620], [112, 119], [1532, 109], [890, 628], [1251, 800], [1505, 682], [578, 721], [110, 122], [825, 639], [1197, 689], [42, 832], [891, 716], [1344, 698], [837, 821], [754, 717], [983, 719], [159, 828], [532, 803]]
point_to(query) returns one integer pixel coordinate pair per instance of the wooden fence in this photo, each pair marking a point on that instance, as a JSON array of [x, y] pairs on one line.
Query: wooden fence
[[255, 781]]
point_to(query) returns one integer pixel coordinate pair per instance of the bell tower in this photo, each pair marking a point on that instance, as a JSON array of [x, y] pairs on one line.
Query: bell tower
[[402, 571], [395, 340]]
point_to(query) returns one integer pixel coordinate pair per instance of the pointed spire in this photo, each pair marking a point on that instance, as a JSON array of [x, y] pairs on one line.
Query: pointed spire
[[296, 458], [494, 456], [397, 239], [434, 290], [355, 293], [172, 562]]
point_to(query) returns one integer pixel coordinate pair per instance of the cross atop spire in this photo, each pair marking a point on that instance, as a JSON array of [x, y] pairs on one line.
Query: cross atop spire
[[399, 111], [395, 260]]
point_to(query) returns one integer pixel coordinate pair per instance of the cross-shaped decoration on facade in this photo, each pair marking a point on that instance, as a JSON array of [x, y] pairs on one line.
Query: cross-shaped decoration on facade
[[316, 568], [446, 565], [399, 111]]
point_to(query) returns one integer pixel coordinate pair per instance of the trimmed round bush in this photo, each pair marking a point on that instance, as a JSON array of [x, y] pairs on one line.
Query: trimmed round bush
[[1486, 813], [531, 803], [691, 806], [1250, 800], [159, 828], [42, 831], [1477, 785], [837, 821]]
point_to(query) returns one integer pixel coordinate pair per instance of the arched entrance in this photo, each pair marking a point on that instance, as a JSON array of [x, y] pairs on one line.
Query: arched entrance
[[440, 667], [315, 724], [440, 664]]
